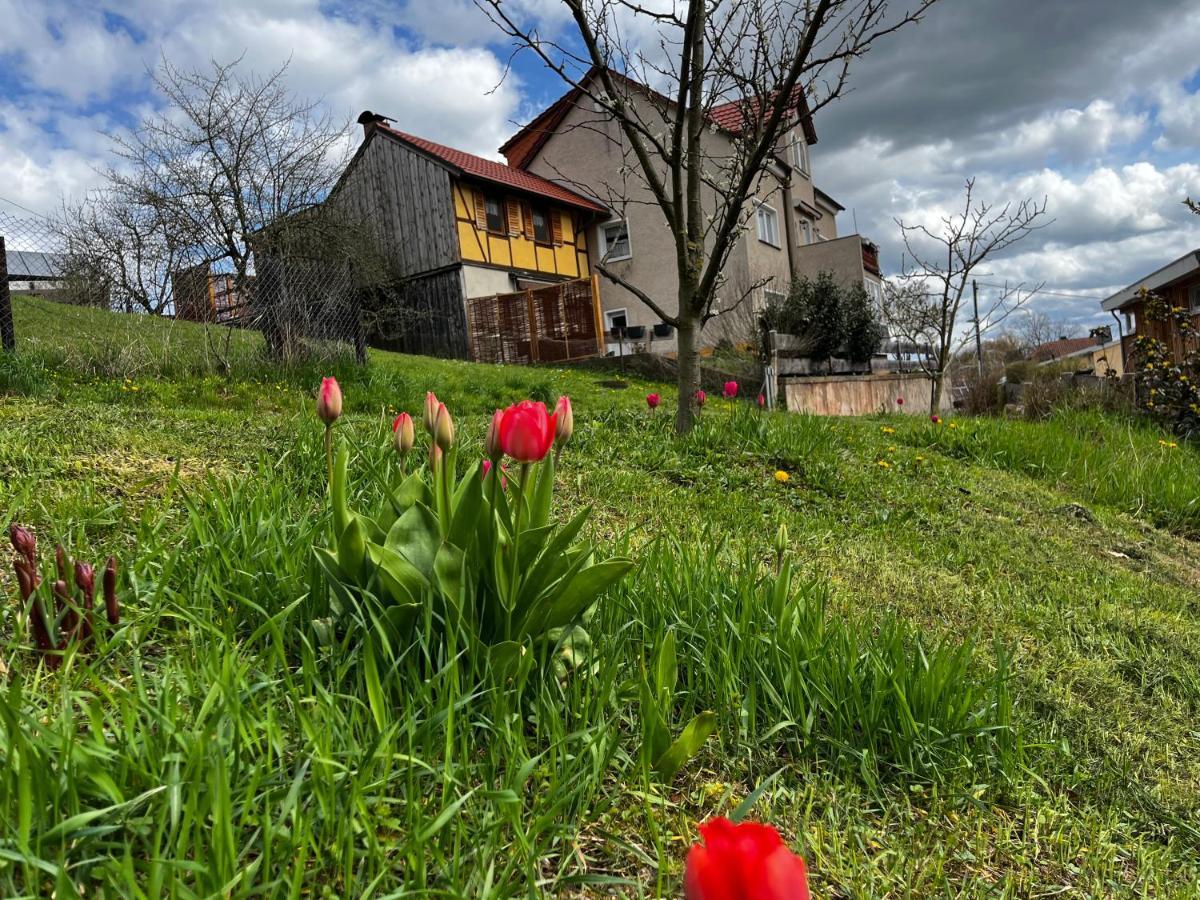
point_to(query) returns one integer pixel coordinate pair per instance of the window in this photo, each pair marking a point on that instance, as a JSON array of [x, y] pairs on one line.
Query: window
[[614, 241], [541, 225], [496, 223], [615, 318], [768, 225], [1194, 298], [804, 229], [800, 152]]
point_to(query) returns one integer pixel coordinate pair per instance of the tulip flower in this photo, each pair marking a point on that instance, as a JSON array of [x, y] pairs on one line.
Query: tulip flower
[[85, 578], [762, 401], [899, 401], [652, 400], [487, 467], [431, 408], [748, 860], [527, 431], [491, 444], [403, 435], [701, 398], [564, 422], [443, 428], [935, 419], [329, 401], [731, 389], [110, 591]]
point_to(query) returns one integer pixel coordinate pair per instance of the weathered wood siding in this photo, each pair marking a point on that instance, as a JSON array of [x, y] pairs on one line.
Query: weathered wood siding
[[860, 395], [436, 318], [406, 197]]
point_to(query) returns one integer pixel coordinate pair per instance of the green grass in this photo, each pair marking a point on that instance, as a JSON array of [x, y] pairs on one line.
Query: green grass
[[214, 745]]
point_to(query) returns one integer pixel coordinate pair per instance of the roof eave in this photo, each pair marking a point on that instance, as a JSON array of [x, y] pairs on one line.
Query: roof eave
[[1172, 271]]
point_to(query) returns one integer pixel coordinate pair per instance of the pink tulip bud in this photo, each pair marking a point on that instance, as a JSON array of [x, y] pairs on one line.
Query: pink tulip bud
[[329, 401], [565, 421], [701, 398], [403, 435], [762, 401], [431, 409], [652, 400], [443, 428], [110, 591], [23, 541], [731, 389], [487, 467], [491, 444]]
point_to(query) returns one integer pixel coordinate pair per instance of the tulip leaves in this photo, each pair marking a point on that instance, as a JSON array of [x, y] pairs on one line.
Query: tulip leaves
[[660, 754], [469, 553]]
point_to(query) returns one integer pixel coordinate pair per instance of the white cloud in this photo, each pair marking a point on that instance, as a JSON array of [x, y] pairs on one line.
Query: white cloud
[[1179, 117]]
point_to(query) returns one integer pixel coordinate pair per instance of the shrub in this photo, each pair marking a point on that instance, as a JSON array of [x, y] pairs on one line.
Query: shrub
[[1169, 384]]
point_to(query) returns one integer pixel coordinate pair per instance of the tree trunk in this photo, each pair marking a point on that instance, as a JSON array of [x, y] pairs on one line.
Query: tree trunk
[[935, 397], [689, 372]]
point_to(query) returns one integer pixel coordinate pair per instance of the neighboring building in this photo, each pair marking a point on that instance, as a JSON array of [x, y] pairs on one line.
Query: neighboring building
[[30, 270], [199, 295], [457, 226], [793, 231], [1178, 283], [1097, 353]]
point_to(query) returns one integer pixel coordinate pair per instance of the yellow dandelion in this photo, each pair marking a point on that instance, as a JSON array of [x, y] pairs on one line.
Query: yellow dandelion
[[891, 449], [920, 459], [888, 429], [782, 477], [953, 424], [884, 464]]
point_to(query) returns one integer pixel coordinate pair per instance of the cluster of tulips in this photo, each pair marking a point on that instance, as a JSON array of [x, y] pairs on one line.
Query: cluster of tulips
[[729, 391], [72, 593]]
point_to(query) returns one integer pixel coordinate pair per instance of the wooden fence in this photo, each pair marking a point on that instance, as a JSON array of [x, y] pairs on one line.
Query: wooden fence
[[556, 323]]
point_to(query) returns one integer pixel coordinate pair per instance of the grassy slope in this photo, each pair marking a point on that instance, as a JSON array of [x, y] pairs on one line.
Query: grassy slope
[[1045, 537]]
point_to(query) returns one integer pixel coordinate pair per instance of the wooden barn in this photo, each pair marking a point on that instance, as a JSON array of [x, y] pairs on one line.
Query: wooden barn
[[494, 259]]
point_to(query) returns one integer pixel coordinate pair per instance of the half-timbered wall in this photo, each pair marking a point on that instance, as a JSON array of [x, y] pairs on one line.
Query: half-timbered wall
[[511, 242]]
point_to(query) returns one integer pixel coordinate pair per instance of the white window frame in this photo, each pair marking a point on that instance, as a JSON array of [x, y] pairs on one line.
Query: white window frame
[[1194, 298], [804, 227], [800, 158], [760, 206], [610, 314], [602, 240]]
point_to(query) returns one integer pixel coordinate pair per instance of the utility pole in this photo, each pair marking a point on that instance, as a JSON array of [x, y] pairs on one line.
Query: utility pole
[[978, 343], [8, 339]]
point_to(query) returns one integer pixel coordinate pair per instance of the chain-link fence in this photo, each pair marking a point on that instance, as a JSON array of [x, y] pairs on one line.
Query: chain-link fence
[[122, 302]]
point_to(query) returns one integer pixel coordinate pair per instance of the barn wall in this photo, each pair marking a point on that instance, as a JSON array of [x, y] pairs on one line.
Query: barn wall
[[435, 318]]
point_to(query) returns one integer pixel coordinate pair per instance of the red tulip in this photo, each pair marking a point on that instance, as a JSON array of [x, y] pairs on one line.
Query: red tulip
[[652, 400], [527, 431], [23, 541], [731, 389], [762, 401], [403, 433], [329, 401], [701, 398], [110, 591], [935, 418], [491, 444], [899, 401], [565, 421], [487, 467], [747, 861]]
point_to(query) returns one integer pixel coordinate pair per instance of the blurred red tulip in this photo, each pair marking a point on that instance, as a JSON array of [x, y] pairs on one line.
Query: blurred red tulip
[[487, 467], [23, 541], [731, 389], [935, 418], [403, 433], [527, 431], [762, 401], [431, 408], [748, 861], [652, 400], [491, 444], [899, 401], [329, 401], [565, 424], [701, 398]]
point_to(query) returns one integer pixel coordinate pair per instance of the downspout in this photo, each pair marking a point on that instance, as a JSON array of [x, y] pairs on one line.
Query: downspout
[[1121, 339]]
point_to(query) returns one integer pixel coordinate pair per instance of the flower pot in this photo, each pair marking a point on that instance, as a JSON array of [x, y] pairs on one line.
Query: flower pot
[[635, 332], [662, 330]]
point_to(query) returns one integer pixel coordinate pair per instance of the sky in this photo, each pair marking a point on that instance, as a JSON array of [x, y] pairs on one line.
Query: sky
[[1092, 104]]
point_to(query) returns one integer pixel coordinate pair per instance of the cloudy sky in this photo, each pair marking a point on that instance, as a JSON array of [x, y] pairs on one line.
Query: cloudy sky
[[1094, 104]]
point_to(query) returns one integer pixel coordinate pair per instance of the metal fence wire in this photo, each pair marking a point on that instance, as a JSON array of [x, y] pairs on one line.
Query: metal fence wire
[[555, 323], [290, 301]]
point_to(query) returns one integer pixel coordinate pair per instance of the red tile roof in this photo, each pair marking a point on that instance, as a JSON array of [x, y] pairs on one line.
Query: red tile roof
[[498, 173], [732, 116], [1060, 348]]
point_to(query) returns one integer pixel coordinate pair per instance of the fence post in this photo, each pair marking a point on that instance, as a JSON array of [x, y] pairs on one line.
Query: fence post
[[533, 336], [601, 344], [8, 337]]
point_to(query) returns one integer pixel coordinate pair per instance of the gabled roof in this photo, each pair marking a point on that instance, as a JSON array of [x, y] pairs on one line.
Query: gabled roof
[[1188, 264], [1060, 348], [476, 167], [522, 147]]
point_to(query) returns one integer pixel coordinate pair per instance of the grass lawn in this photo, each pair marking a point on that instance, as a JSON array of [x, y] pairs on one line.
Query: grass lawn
[[994, 690]]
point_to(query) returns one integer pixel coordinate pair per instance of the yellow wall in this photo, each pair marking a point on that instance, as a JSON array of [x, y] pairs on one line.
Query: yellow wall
[[518, 250]]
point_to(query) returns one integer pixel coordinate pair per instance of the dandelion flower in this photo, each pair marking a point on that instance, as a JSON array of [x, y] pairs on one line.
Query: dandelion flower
[[888, 429], [782, 477]]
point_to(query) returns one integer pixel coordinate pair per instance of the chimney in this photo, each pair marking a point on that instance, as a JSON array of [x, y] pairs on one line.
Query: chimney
[[368, 120]]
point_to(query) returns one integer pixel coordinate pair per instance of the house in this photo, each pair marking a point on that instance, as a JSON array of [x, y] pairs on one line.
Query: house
[[1178, 283], [455, 226], [200, 295], [1097, 353], [793, 230]]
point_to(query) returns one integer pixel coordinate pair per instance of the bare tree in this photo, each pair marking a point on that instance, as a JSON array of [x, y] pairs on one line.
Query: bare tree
[[776, 60], [1034, 328], [925, 303]]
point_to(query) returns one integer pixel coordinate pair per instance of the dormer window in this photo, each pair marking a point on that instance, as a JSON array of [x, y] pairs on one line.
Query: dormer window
[[800, 152]]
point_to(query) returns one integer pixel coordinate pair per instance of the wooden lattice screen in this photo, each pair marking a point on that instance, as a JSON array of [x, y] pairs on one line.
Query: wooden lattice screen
[[556, 323]]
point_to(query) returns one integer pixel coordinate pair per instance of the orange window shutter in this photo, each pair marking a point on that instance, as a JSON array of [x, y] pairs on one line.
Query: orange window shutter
[[556, 228], [526, 220], [514, 216], [480, 211]]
